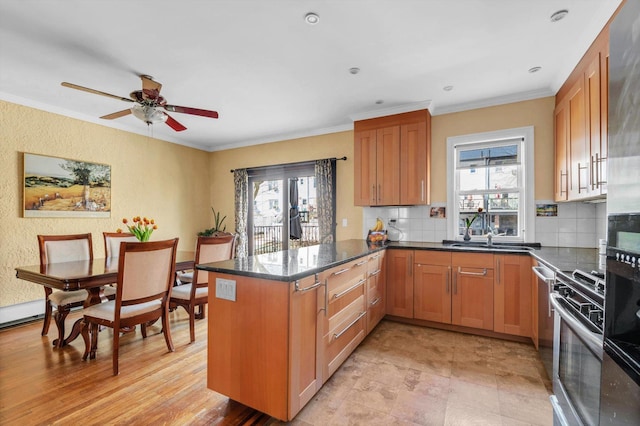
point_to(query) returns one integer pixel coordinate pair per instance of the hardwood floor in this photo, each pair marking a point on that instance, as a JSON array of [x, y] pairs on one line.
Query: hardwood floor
[[40, 384], [400, 374]]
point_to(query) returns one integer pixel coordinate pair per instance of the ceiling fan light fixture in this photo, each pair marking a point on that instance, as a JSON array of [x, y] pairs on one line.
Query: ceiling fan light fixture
[[149, 114]]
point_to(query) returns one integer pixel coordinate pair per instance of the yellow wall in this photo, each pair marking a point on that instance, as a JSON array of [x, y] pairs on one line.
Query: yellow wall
[[178, 185], [290, 151], [537, 113], [149, 177]]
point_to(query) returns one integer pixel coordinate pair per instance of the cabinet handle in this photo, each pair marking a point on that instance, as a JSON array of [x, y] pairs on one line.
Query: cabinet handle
[[410, 266], [455, 281], [375, 256], [498, 277], [326, 296], [364, 262], [341, 271], [311, 287], [580, 187], [379, 193], [479, 274], [374, 273], [337, 335], [374, 194], [561, 185], [594, 172], [448, 278], [375, 302], [600, 161], [343, 292], [422, 190]]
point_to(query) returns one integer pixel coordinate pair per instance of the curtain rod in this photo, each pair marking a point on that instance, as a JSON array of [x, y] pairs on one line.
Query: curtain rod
[[290, 164]]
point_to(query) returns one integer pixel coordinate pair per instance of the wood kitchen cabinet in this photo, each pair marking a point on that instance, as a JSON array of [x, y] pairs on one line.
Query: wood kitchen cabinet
[[472, 294], [345, 308], [432, 286], [399, 283], [392, 160], [376, 290], [581, 120], [512, 294]]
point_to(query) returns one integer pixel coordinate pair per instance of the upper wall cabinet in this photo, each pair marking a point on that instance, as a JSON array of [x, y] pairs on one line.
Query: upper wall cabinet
[[581, 119], [392, 160]]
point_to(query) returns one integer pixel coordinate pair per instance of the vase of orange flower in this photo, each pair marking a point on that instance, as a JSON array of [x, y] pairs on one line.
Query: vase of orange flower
[[142, 228]]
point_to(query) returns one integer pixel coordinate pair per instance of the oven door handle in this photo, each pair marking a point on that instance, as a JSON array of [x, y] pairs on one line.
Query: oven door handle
[[543, 274], [591, 339]]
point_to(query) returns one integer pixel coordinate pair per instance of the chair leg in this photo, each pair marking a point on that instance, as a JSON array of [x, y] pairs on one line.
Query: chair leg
[[47, 316], [166, 331], [59, 316], [192, 323], [143, 329], [94, 340], [116, 349], [201, 312]]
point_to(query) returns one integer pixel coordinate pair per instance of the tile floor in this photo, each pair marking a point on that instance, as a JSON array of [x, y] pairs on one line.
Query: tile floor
[[408, 375]]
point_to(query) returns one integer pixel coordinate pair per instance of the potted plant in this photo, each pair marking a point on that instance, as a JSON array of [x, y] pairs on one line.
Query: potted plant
[[218, 227]]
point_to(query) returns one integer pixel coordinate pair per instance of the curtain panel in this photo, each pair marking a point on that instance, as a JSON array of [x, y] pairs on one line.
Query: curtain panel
[[241, 183], [325, 171]]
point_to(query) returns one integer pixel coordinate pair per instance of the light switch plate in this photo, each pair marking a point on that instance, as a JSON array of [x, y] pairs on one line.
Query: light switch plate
[[226, 289]]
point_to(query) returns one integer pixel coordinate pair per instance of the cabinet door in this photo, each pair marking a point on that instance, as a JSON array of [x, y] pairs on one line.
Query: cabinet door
[[578, 147], [388, 166], [365, 183], [512, 295], [414, 177], [601, 160], [432, 293], [400, 283], [561, 176], [593, 81], [472, 299], [305, 323]]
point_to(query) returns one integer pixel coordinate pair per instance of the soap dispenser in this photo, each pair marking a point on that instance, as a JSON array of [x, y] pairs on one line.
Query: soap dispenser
[[393, 232]]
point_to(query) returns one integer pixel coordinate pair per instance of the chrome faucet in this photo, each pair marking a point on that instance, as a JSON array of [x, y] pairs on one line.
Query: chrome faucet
[[489, 236]]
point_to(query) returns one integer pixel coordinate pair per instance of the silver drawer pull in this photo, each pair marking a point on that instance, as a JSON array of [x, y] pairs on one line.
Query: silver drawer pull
[[373, 274], [343, 292], [364, 262], [375, 302], [341, 271], [479, 274], [311, 287], [337, 335]]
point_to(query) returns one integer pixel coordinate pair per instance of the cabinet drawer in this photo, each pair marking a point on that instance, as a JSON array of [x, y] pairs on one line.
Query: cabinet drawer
[[375, 262], [344, 286], [346, 331], [433, 257], [472, 260]]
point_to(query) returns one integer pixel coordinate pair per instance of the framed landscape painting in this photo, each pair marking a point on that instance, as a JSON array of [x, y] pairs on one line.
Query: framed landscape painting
[[59, 187]]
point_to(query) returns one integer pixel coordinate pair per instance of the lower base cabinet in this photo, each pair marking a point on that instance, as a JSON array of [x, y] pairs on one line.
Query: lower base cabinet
[[472, 298], [512, 295]]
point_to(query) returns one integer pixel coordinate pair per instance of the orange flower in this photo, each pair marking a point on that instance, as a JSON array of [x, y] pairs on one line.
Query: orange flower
[[125, 221], [155, 226], [142, 228], [119, 231]]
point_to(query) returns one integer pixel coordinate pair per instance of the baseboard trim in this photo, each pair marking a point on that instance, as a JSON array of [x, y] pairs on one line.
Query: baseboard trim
[[20, 313]]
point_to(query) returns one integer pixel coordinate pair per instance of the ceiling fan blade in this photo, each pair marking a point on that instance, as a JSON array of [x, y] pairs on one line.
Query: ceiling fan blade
[[150, 87], [192, 111], [116, 114], [174, 124], [97, 92]]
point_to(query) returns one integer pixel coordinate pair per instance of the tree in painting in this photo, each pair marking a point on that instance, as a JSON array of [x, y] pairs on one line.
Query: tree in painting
[[85, 173]]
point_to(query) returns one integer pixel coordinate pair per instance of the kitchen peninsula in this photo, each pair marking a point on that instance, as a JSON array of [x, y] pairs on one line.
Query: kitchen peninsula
[[280, 324]]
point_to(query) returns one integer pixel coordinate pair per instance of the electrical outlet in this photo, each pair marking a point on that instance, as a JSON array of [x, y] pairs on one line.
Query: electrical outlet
[[226, 289]]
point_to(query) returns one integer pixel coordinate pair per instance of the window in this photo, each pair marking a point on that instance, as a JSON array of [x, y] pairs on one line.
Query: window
[[493, 172]]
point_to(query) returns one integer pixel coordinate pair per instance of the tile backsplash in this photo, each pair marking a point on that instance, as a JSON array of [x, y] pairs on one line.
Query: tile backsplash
[[578, 224]]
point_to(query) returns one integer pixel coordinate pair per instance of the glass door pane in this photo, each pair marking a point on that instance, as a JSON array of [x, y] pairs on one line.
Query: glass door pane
[[267, 216]]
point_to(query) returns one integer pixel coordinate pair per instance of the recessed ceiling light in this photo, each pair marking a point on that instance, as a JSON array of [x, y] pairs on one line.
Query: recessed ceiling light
[[311, 18], [447, 88], [534, 69], [354, 70], [559, 15], [379, 102]]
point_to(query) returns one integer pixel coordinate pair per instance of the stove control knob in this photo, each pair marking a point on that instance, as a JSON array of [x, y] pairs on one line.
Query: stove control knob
[[618, 256]]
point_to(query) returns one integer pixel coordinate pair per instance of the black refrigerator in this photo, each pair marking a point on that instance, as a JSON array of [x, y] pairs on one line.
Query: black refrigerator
[[620, 380]]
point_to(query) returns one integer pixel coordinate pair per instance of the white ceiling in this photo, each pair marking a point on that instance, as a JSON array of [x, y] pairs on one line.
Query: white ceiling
[[271, 76]]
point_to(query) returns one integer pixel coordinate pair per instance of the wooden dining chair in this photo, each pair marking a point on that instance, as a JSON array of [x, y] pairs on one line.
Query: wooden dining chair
[[195, 288], [145, 276], [112, 242], [56, 249]]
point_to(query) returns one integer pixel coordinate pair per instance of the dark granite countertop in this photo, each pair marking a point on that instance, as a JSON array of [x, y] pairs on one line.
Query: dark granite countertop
[[296, 264]]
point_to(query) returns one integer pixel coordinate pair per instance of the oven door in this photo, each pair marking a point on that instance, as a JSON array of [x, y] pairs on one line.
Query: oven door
[[577, 363]]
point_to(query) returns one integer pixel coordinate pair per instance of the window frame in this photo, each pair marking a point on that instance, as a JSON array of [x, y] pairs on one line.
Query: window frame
[[526, 213]]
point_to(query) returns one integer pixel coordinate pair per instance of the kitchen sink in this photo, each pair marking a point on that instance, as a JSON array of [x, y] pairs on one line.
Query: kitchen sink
[[493, 246]]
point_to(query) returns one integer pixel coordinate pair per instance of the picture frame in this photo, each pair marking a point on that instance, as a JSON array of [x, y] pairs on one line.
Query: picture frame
[[62, 187]]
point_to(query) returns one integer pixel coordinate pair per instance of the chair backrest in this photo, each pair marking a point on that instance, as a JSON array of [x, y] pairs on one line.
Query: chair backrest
[[146, 271], [64, 248], [212, 249], [112, 242]]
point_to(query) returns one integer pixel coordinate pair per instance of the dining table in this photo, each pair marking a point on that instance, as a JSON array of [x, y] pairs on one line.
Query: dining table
[[89, 275]]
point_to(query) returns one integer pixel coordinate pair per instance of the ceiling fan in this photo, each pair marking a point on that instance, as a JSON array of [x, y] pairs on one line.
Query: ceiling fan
[[148, 104]]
